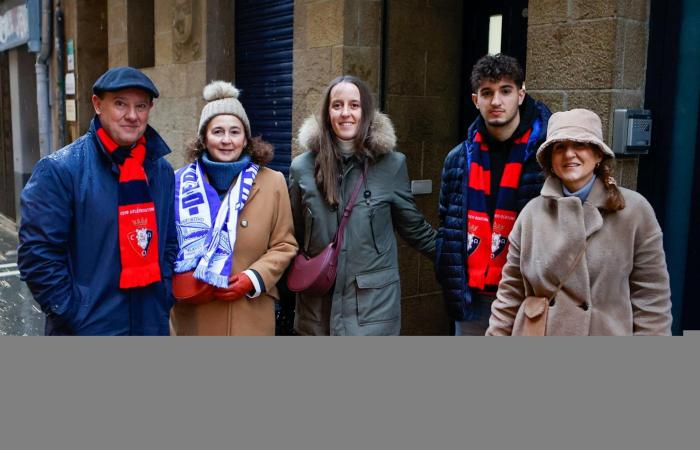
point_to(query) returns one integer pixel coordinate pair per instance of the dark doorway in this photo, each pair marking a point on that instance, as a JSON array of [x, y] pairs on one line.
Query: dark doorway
[[264, 40], [655, 169], [659, 97], [690, 313], [7, 173], [477, 19]]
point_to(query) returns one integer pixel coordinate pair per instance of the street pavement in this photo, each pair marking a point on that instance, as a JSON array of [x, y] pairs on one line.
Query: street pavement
[[19, 313]]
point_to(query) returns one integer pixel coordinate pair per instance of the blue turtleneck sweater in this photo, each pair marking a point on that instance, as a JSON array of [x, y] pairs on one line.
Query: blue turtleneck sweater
[[581, 193], [222, 174]]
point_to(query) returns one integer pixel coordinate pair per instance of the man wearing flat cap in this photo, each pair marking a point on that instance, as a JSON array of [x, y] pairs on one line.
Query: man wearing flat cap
[[97, 240]]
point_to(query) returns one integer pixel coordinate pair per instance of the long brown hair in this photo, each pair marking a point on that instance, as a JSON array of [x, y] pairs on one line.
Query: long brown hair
[[604, 170], [328, 160]]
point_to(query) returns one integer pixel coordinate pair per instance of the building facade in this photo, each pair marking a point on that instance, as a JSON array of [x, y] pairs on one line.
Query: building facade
[[416, 56]]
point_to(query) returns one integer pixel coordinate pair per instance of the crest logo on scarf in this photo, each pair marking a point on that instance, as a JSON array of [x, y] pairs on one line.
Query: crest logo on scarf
[[498, 243], [472, 243], [501, 229], [473, 240], [140, 240]]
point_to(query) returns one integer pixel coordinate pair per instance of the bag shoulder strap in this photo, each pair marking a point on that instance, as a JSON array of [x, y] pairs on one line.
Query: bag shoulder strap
[[573, 267], [350, 204]]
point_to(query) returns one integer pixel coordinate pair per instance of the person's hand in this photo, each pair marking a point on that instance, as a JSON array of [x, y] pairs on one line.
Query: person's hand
[[238, 286]]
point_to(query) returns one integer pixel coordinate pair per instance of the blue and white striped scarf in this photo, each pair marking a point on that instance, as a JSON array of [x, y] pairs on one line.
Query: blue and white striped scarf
[[207, 249]]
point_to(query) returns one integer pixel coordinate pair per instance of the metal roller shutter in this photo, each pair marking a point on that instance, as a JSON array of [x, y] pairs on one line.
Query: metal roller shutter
[[264, 34]]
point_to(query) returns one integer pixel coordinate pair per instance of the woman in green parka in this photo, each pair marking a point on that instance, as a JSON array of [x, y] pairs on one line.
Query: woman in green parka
[[340, 140]]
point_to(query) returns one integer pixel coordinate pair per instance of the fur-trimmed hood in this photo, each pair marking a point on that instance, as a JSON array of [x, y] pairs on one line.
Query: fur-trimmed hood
[[381, 140]]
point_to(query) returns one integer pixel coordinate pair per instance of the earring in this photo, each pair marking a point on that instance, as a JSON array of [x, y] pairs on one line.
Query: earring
[[597, 164]]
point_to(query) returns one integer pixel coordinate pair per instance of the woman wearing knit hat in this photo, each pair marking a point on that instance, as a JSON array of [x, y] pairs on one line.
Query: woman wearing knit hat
[[586, 257], [351, 151], [234, 225]]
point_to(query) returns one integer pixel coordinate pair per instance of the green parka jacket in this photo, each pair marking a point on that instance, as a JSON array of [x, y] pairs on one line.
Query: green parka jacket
[[366, 298]]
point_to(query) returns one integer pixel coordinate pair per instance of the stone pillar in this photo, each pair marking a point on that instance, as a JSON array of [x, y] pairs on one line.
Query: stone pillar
[[25, 137], [590, 54], [183, 64], [332, 38], [117, 33], [179, 72], [220, 27]]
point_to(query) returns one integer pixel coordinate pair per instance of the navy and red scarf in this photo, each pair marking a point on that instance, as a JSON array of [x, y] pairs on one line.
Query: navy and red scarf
[[487, 246], [138, 227]]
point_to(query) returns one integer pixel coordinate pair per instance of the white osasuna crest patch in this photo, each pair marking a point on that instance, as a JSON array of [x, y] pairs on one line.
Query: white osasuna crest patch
[[140, 240], [498, 243], [472, 243]]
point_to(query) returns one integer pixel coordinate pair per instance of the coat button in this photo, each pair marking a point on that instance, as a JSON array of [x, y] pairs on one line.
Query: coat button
[[584, 306], [244, 223], [334, 208], [552, 302]]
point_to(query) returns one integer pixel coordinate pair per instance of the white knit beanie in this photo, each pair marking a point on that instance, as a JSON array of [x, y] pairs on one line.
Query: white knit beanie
[[222, 98]]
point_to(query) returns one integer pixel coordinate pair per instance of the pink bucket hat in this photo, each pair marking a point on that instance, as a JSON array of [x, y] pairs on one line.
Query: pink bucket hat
[[578, 125]]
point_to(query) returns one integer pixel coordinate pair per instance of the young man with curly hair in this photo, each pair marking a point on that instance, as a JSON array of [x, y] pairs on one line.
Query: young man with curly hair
[[486, 181]]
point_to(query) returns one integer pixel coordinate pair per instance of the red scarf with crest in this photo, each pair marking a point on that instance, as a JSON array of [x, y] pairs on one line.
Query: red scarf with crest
[[138, 226], [487, 246]]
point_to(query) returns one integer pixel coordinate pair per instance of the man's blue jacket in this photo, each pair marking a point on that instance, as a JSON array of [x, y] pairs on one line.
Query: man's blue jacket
[[69, 245], [451, 244]]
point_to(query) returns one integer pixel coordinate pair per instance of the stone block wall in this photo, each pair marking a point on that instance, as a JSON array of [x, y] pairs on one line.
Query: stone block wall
[[423, 99], [181, 62], [332, 38], [590, 54], [422, 94]]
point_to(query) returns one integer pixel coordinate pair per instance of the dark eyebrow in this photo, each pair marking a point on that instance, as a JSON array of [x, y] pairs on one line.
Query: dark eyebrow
[[121, 97]]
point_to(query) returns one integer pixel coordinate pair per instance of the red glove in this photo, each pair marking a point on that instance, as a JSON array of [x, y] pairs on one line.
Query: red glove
[[188, 289], [238, 285]]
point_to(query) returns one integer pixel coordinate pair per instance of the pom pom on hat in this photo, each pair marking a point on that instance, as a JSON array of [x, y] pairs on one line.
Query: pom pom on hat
[[222, 98], [216, 90]]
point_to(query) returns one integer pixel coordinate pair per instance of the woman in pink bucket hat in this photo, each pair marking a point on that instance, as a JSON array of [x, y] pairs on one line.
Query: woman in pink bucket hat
[[586, 256]]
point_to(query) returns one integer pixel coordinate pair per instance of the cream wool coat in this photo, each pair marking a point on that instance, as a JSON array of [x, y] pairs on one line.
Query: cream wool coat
[[266, 244], [621, 285]]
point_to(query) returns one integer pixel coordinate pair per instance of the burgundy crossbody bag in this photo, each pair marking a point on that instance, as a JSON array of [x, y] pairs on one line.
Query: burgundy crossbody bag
[[315, 275]]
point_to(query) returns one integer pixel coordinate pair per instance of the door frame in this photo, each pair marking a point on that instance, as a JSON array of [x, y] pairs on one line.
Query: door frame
[[475, 44]]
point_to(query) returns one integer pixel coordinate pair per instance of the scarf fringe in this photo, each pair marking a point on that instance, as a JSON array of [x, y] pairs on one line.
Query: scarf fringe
[[139, 276], [203, 274], [185, 266]]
